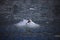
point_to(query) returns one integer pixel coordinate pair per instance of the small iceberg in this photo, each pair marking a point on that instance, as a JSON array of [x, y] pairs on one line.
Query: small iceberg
[[27, 23]]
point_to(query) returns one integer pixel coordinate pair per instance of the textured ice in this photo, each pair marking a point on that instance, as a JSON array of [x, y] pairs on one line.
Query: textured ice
[[25, 23]]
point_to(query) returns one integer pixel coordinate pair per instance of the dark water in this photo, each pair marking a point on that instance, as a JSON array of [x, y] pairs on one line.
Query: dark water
[[43, 12], [11, 32]]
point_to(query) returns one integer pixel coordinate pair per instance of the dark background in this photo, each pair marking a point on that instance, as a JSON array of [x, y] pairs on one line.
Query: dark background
[[44, 12]]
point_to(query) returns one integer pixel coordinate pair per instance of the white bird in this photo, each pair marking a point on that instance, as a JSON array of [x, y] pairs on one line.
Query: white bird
[[27, 23]]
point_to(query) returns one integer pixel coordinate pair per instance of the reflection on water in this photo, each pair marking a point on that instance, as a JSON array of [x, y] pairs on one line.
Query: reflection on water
[[11, 32]]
